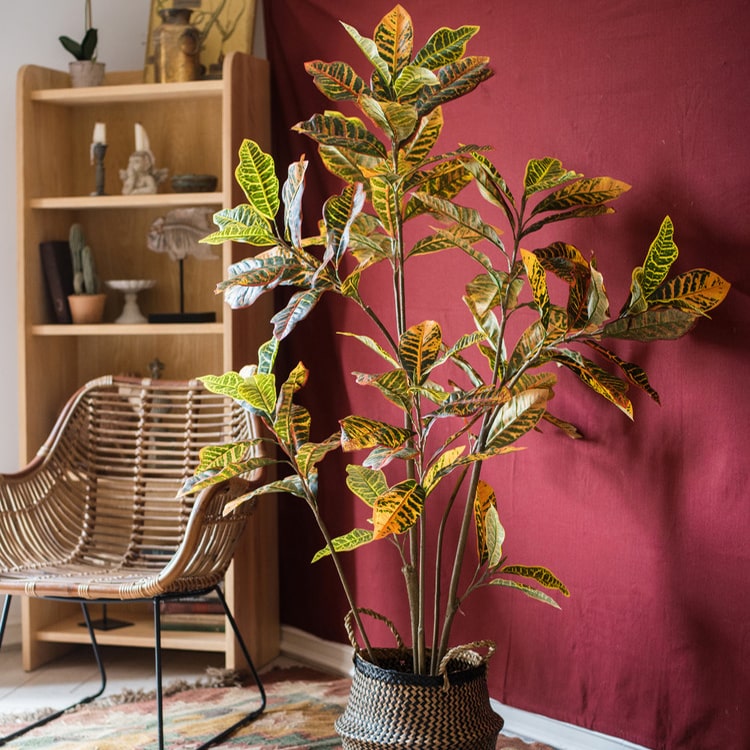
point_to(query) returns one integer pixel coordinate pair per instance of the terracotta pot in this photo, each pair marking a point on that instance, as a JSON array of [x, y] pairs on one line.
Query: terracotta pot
[[391, 708], [86, 73], [87, 308]]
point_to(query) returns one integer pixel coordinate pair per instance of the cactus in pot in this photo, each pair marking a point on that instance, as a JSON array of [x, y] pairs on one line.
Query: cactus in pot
[[87, 301], [85, 279]]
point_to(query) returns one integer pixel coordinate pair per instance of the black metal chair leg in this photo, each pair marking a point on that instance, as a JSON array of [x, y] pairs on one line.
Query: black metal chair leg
[[56, 714], [4, 617], [159, 700]]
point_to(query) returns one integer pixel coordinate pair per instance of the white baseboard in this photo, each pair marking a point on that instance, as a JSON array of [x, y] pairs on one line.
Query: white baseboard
[[337, 657]]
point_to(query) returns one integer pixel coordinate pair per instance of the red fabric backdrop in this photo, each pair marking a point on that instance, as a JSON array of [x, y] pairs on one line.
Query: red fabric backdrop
[[646, 522]]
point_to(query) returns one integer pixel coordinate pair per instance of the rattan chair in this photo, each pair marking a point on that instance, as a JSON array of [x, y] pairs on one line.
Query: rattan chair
[[97, 515]]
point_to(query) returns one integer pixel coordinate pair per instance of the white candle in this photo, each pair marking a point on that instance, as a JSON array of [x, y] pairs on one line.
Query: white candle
[[141, 139], [100, 133]]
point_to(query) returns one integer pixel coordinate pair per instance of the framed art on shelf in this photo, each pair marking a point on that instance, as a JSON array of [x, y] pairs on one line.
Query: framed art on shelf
[[223, 25]]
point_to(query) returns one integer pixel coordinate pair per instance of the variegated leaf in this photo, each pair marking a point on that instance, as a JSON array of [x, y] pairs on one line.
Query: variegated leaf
[[441, 468], [541, 575], [484, 398], [216, 456], [445, 240], [256, 175], [360, 432], [599, 380], [634, 374], [392, 384], [517, 416], [526, 589], [385, 202], [367, 484], [543, 174], [381, 456], [597, 303], [291, 485], [241, 224], [652, 325], [456, 80], [298, 308], [212, 476], [267, 352], [259, 391], [394, 39], [484, 500], [412, 78], [659, 259], [444, 47], [349, 165], [284, 407], [420, 147], [575, 213], [397, 119], [569, 429], [492, 185], [309, 455], [465, 217], [339, 212], [229, 384], [334, 129], [418, 349], [538, 283], [346, 543], [371, 52], [337, 80], [291, 195], [586, 191], [698, 291], [372, 344], [396, 511], [446, 180], [495, 536]]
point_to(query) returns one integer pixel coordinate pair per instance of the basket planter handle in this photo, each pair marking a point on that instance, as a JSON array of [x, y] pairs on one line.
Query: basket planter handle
[[349, 625]]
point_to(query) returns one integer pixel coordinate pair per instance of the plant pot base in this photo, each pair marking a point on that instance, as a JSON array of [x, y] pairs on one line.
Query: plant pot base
[[392, 709], [87, 308]]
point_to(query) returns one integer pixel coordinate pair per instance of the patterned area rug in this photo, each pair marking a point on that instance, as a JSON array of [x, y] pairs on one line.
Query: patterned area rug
[[302, 706]]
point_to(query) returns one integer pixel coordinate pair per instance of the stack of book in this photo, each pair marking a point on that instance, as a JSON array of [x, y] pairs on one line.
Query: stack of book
[[193, 613]]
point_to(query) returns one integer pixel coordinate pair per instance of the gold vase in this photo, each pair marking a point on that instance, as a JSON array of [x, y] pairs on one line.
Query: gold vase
[[177, 47]]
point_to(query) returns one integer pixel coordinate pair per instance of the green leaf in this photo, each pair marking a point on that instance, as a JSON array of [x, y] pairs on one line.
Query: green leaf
[[541, 575], [599, 380], [361, 432], [492, 184], [385, 202], [444, 47], [256, 175], [339, 212], [229, 384], [259, 391], [337, 80], [417, 151], [698, 291], [543, 174], [267, 352], [291, 485], [659, 259], [652, 325], [412, 78], [418, 349], [398, 509], [298, 308], [212, 476], [367, 484], [448, 239], [483, 398], [394, 37], [217, 456], [346, 543], [396, 119], [334, 129]]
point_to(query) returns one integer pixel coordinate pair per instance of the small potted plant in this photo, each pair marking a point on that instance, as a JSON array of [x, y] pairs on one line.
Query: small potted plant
[[87, 301], [85, 70]]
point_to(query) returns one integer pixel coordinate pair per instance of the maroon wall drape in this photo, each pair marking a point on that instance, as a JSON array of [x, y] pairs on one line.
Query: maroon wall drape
[[647, 522]]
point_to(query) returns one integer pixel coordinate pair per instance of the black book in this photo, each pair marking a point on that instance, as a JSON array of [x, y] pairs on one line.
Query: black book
[[57, 266]]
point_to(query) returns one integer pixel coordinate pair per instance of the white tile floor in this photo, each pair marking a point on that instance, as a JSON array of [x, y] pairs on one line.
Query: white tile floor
[[75, 675]]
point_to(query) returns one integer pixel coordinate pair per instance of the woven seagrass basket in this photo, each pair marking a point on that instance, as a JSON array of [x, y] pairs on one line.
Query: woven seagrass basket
[[391, 707]]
